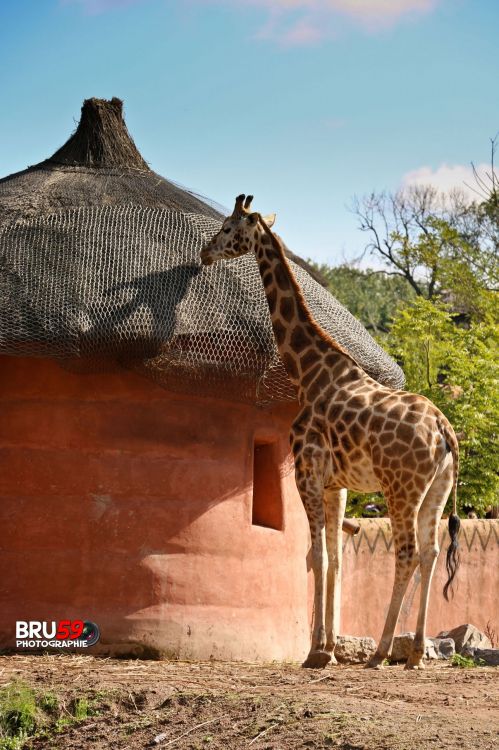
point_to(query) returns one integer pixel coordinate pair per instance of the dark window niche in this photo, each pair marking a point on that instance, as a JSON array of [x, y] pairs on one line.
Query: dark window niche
[[267, 507]]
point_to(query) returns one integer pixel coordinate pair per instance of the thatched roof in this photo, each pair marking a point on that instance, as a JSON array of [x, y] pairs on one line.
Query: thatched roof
[[98, 165], [99, 257], [101, 139], [101, 165]]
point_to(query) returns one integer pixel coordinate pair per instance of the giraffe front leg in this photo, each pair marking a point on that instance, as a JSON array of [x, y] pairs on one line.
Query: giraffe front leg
[[318, 656], [311, 492], [335, 503]]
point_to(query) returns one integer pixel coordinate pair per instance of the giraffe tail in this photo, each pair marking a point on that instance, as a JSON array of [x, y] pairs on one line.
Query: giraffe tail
[[452, 559]]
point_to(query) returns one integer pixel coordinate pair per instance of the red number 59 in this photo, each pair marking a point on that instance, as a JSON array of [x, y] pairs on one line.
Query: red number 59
[[76, 629]]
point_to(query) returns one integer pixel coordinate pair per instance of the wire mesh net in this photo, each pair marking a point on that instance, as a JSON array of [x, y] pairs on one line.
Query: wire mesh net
[[104, 287]]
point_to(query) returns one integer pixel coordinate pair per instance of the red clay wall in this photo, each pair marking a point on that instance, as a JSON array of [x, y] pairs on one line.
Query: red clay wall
[[368, 567], [130, 506]]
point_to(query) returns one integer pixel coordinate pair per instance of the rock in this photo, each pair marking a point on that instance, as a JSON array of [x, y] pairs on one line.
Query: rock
[[159, 739], [402, 647], [466, 636], [351, 649], [489, 655], [431, 649], [445, 648]]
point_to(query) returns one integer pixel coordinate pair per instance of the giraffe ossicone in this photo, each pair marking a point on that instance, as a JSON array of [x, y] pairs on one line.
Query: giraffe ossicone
[[351, 432]]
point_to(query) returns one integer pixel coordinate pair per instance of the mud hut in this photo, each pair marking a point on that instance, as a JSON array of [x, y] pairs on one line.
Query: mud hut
[[146, 479]]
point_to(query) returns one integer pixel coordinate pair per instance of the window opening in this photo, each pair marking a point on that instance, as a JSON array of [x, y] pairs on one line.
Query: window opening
[[267, 509]]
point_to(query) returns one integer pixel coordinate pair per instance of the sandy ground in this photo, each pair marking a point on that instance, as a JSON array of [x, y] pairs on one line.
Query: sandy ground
[[270, 707]]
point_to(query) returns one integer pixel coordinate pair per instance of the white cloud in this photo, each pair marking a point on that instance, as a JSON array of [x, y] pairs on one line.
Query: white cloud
[[381, 12], [448, 177], [304, 31], [303, 22], [370, 12]]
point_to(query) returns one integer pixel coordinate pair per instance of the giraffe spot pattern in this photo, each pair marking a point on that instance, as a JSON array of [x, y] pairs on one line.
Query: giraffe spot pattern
[[321, 381], [272, 300], [363, 417], [310, 376], [299, 339], [279, 331], [356, 433], [281, 278], [287, 308], [369, 431], [308, 359], [290, 365]]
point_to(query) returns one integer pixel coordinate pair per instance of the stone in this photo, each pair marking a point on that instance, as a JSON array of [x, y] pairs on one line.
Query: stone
[[489, 655], [402, 647], [466, 636], [445, 648], [159, 739], [430, 651], [351, 649]]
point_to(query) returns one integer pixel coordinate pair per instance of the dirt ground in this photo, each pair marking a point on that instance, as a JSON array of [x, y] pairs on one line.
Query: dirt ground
[[141, 704]]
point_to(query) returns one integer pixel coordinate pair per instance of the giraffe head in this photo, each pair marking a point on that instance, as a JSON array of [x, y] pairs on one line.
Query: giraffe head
[[239, 233]]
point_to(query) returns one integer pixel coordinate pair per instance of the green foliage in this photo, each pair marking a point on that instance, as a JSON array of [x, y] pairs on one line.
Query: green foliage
[[26, 713], [437, 243], [49, 703], [82, 709], [457, 369], [359, 505], [466, 662], [373, 297], [454, 365], [17, 714], [436, 312]]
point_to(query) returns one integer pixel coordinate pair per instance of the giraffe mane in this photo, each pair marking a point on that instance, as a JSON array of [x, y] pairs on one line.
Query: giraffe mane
[[278, 245]]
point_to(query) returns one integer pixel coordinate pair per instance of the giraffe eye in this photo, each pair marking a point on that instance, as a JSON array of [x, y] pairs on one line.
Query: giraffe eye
[[227, 230]]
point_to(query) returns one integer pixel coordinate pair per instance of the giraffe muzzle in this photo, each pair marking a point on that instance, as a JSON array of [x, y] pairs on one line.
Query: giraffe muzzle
[[206, 258]]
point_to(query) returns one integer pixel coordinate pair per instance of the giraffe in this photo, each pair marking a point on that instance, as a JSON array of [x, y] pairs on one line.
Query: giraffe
[[351, 432]]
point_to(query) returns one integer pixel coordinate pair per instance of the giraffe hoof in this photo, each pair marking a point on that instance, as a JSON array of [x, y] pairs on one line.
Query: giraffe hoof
[[415, 665], [330, 650], [317, 660], [376, 662]]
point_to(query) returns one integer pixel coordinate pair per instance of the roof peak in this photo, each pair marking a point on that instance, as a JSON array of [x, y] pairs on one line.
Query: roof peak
[[101, 139]]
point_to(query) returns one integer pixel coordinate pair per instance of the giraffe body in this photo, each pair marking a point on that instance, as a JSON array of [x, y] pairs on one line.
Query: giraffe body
[[351, 432]]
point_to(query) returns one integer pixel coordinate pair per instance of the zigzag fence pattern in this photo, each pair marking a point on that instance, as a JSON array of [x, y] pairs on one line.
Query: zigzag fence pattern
[[376, 535]]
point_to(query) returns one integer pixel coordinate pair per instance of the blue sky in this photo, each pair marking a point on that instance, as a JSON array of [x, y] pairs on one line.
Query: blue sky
[[304, 103]]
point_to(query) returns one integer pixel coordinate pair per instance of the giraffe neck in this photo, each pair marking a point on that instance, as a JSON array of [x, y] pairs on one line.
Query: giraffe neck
[[305, 348]]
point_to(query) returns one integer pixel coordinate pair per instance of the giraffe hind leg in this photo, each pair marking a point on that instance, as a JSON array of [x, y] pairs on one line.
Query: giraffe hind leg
[[406, 562], [429, 516]]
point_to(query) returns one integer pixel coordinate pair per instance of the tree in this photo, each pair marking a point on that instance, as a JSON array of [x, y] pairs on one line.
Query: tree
[[434, 303], [438, 244], [458, 369], [372, 297]]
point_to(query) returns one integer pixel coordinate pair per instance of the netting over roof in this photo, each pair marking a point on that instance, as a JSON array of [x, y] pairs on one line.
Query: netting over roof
[[100, 268]]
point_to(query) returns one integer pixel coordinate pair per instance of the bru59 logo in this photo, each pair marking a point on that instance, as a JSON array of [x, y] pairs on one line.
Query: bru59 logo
[[61, 634]]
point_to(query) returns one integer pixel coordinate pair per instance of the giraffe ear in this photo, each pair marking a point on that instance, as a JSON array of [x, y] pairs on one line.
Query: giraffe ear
[[269, 219]]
